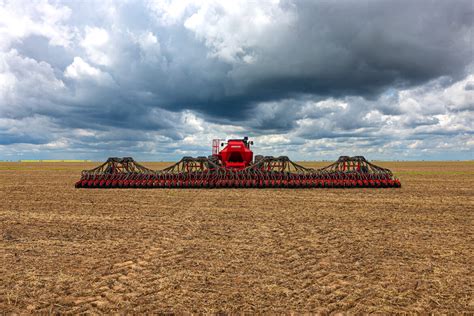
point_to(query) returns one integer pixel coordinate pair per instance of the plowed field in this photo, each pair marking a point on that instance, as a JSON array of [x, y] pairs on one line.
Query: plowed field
[[269, 250]]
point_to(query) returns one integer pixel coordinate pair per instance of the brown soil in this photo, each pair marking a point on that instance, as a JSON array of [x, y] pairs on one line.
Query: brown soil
[[323, 250]]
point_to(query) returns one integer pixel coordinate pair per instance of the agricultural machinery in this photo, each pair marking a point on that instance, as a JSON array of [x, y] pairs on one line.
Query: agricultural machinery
[[233, 165]]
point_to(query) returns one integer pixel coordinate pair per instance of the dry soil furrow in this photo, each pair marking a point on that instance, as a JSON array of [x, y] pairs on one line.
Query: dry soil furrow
[[269, 251], [297, 264], [122, 283]]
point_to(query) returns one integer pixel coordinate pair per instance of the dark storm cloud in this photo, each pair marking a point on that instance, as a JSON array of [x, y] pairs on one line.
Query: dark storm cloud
[[354, 48], [309, 70], [328, 49]]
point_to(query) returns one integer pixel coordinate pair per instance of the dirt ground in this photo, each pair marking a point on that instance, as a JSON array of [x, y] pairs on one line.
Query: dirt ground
[[228, 250]]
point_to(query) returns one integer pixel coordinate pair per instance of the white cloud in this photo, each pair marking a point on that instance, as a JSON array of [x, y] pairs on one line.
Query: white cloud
[[150, 47], [191, 121], [7, 84], [95, 42], [20, 19], [231, 29], [415, 144], [234, 29], [79, 68], [62, 143], [171, 11], [274, 139], [26, 84], [437, 97], [82, 71]]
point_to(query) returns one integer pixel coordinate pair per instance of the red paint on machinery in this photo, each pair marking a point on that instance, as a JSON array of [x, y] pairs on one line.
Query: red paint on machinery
[[234, 166], [236, 154]]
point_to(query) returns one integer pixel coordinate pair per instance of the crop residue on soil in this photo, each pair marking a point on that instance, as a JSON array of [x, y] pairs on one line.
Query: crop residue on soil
[[268, 250]]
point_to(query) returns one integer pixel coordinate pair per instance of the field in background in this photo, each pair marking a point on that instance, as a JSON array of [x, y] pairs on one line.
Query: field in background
[[269, 250], [55, 160]]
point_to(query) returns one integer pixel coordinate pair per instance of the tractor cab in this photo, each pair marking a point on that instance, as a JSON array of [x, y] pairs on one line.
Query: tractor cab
[[236, 153]]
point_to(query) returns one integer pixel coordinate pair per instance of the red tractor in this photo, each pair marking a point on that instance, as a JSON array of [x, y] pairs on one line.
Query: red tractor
[[234, 166]]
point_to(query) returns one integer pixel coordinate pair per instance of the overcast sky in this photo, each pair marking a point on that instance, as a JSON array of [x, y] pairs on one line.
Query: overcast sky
[[310, 79]]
